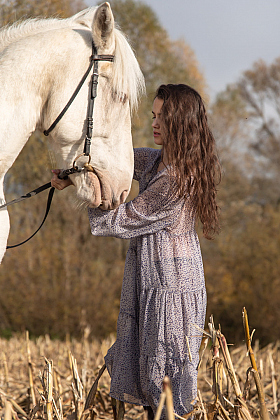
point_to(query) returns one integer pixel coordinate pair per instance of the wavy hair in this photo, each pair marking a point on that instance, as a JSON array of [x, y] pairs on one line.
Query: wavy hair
[[189, 146]]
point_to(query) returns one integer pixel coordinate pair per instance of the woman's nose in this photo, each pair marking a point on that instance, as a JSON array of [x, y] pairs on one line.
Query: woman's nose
[[155, 123]]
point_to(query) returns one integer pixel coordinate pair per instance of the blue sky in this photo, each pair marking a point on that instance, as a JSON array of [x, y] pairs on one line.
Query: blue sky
[[227, 36]]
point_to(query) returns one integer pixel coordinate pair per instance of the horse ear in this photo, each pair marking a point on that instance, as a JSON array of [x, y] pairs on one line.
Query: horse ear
[[103, 26]]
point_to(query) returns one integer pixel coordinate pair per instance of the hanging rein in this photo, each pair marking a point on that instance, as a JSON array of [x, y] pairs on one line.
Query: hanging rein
[[94, 59]]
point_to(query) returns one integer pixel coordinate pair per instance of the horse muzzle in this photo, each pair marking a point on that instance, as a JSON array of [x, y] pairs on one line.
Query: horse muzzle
[[97, 190], [113, 203]]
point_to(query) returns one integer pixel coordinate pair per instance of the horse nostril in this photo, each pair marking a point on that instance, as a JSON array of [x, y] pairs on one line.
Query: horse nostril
[[116, 202], [124, 194]]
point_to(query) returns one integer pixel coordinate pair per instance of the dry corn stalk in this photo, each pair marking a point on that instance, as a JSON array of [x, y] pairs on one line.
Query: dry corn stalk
[[274, 384], [263, 410], [91, 395], [217, 408], [204, 347], [118, 409], [160, 405], [49, 389], [169, 398], [241, 407], [89, 404], [18, 371], [58, 389], [8, 411], [30, 371], [202, 405], [47, 394], [77, 387], [6, 372], [4, 399], [217, 364]]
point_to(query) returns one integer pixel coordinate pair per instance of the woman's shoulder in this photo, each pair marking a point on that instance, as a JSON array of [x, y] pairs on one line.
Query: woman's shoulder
[[145, 159], [147, 153]]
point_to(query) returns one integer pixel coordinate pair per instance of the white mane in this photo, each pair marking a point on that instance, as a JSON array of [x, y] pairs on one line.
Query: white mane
[[32, 26], [127, 76]]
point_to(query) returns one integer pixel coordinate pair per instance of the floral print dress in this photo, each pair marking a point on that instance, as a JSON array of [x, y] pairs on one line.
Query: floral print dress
[[163, 294]]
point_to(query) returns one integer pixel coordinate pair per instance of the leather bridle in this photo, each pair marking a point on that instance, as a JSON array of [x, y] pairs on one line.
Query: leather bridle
[[94, 59]]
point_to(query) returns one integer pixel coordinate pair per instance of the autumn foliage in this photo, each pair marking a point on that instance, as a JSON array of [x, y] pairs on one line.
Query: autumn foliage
[[64, 279]]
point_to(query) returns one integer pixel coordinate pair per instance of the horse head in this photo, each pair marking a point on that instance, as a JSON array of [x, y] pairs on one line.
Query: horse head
[[119, 84]]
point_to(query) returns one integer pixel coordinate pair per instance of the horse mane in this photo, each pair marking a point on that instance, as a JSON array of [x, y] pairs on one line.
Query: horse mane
[[127, 76], [24, 28]]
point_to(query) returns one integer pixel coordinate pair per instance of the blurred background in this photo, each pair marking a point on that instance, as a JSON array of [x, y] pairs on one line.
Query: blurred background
[[65, 280]]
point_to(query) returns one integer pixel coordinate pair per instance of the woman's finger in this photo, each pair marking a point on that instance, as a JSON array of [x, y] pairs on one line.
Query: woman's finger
[[58, 183]]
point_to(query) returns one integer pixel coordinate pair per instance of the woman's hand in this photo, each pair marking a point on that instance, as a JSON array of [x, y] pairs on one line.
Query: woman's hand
[[58, 183]]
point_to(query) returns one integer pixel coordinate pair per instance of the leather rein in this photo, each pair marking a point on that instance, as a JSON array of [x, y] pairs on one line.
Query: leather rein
[[94, 59]]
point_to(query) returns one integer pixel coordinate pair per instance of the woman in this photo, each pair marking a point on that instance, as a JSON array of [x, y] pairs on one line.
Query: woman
[[163, 294]]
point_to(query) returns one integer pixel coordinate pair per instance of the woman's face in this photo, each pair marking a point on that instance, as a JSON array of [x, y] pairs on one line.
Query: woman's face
[[157, 124]]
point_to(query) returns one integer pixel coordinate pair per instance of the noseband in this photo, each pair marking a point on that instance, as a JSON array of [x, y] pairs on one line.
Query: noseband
[[94, 59]]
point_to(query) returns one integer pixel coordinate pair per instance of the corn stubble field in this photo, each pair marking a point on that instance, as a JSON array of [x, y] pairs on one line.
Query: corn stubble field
[[46, 379]]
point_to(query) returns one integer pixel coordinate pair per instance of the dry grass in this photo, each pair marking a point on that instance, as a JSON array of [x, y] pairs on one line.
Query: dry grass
[[47, 379]]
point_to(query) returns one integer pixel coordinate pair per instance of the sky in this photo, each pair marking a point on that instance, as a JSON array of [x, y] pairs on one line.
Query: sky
[[227, 36]]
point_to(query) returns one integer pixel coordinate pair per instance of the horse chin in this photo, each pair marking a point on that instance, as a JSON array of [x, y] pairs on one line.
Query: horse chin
[[113, 204], [89, 190], [92, 191], [95, 190]]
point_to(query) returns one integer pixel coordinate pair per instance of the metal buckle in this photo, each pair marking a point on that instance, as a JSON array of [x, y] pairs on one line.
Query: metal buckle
[[86, 166]]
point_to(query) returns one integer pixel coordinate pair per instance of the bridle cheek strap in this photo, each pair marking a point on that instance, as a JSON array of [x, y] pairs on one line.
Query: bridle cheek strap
[[94, 59], [93, 93]]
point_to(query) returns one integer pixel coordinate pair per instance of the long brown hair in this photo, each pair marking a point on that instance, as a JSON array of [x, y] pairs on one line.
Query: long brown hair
[[189, 146]]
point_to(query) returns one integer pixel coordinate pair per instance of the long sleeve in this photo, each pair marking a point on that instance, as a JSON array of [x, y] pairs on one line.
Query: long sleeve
[[151, 211]]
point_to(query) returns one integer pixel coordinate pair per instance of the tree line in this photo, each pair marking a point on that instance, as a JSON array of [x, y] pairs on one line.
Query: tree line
[[64, 279]]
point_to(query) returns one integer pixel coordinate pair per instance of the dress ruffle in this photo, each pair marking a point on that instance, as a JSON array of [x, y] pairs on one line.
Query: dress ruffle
[[142, 357]]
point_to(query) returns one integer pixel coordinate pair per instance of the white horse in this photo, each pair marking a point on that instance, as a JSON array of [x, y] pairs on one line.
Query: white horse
[[41, 63]]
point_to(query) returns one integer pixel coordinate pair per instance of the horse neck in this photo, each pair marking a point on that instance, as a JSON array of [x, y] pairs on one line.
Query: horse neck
[[20, 107]]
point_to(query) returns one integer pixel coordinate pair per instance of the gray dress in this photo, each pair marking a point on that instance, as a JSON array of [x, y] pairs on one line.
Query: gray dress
[[163, 293]]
